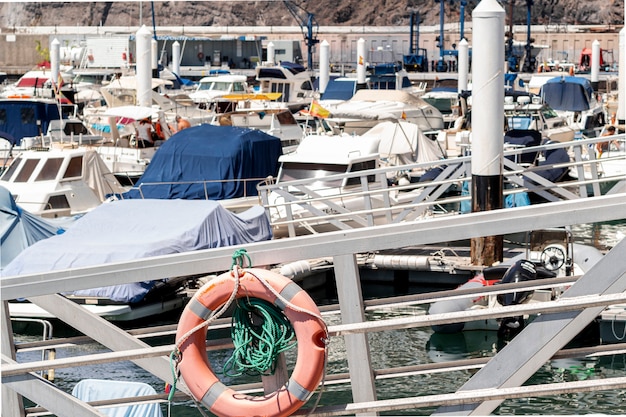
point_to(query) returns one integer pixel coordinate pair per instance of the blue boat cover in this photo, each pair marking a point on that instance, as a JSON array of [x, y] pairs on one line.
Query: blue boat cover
[[21, 118], [567, 93], [19, 229], [100, 389], [133, 229], [185, 162]]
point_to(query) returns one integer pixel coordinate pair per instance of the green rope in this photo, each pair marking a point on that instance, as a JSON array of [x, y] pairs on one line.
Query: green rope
[[260, 332], [174, 359], [239, 257]]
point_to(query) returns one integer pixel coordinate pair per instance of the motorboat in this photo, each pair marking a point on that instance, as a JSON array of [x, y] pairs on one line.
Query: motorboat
[[223, 163], [278, 122], [308, 187], [209, 89], [291, 80], [548, 253], [529, 112], [19, 228], [59, 182], [131, 230], [369, 107], [574, 98], [38, 84]]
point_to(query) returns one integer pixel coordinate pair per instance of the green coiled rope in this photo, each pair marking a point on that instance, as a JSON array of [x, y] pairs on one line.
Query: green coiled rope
[[260, 332]]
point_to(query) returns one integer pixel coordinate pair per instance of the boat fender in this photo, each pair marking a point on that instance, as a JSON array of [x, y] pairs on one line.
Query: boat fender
[[459, 304], [296, 269], [586, 256], [402, 262], [298, 307]]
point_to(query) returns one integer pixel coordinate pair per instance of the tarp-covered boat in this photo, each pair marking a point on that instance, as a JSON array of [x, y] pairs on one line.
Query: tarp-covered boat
[[209, 162], [19, 229], [134, 229]]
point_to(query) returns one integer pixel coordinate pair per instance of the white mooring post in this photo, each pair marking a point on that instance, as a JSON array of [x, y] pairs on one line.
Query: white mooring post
[[55, 58], [487, 123], [324, 65], [595, 64], [463, 65], [176, 58], [360, 61], [144, 67], [621, 101]]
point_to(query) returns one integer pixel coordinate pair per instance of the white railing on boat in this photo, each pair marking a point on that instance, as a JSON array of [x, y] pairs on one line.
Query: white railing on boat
[[502, 374]]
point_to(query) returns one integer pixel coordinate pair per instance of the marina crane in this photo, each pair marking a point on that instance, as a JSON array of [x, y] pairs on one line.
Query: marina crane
[[442, 65], [417, 58], [513, 58], [309, 28]]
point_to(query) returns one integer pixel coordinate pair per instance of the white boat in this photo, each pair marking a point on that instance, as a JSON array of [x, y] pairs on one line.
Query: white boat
[[526, 112], [135, 229], [278, 122], [122, 92], [37, 84], [574, 98], [59, 182], [213, 87], [549, 253], [319, 156], [292, 81], [369, 107]]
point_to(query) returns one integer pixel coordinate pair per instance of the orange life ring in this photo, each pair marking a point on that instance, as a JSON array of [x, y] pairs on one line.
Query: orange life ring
[[309, 330], [200, 56]]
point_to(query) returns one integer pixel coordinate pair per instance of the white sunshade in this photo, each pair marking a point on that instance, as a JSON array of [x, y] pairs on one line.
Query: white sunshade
[[131, 112]]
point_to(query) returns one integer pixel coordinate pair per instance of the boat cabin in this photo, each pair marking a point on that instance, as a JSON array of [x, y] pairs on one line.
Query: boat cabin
[[59, 183], [291, 80], [213, 87]]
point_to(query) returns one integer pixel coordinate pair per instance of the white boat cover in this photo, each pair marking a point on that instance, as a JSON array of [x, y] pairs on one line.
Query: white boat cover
[[132, 229], [99, 389]]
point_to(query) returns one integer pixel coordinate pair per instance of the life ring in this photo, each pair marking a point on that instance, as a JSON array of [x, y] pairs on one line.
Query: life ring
[[303, 315], [200, 56]]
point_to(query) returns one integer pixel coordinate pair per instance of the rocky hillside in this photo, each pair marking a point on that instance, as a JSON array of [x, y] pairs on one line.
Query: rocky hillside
[[277, 13]]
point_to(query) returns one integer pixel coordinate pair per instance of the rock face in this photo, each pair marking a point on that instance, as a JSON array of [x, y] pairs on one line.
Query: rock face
[[295, 12]]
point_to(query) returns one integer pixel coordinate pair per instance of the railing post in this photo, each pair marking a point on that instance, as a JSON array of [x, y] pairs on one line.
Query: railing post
[[357, 345], [12, 403]]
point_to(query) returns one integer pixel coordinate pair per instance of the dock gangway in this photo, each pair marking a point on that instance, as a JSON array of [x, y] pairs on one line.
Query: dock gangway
[[501, 376]]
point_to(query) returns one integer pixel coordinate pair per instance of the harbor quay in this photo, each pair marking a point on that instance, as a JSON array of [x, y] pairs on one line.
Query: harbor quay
[[240, 48]]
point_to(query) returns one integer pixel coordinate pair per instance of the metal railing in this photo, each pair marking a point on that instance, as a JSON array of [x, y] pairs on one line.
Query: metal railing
[[294, 206], [355, 327]]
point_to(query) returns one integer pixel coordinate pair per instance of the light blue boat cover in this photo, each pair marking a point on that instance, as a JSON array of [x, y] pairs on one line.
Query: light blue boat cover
[[133, 229], [99, 389], [19, 229]]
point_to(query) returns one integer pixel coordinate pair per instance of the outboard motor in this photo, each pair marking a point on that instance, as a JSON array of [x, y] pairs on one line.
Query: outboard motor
[[522, 270]]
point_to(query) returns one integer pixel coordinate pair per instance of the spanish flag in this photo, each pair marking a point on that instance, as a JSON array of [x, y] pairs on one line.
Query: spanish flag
[[316, 110]]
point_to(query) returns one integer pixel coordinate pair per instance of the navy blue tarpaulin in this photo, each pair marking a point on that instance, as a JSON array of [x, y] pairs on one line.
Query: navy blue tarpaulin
[[567, 93], [193, 163]]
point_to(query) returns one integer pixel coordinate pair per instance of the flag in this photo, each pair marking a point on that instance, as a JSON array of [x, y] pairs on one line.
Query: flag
[[316, 110]]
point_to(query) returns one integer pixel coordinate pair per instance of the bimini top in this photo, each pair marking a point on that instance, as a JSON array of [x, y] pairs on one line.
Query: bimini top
[[133, 229], [196, 163]]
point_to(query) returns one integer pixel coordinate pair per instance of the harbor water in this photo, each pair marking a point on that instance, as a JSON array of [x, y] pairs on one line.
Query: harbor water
[[401, 348]]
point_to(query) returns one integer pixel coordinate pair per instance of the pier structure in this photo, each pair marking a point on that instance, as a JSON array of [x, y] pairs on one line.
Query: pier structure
[[602, 285]]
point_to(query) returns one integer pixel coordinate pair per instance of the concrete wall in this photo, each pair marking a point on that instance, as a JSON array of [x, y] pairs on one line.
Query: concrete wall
[[18, 52]]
